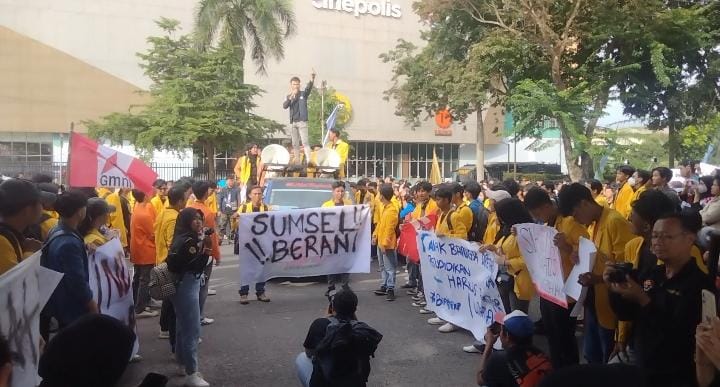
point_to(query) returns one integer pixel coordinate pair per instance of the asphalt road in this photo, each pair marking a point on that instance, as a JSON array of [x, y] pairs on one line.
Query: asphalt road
[[256, 344]]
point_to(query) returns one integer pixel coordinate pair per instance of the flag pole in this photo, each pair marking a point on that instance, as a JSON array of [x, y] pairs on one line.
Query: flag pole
[[70, 143]]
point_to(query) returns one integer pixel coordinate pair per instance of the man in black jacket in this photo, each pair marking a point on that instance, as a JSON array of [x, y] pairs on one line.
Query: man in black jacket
[[229, 203], [296, 102], [664, 304]]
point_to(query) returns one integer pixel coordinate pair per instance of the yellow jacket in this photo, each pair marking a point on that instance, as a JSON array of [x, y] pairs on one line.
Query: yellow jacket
[[452, 227], [610, 234], [368, 199], [211, 202], [524, 289], [385, 230], [623, 200], [331, 203], [48, 224], [158, 204], [573, 231], [342, 148], [465, 216], [601, 200], [242, 169], [95, 237], [493, 227], [164, 231], [103, 192], [9, 249], [116, 219], [422, 210], [636, 195]]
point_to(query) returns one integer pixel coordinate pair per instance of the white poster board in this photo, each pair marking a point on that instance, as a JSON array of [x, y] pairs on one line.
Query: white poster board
[[24, 291], [586, 261], [304, 242], [459, 282], [111, 284], [542, 257]]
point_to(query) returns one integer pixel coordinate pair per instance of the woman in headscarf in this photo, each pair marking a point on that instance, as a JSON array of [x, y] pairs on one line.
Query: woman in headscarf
[[187, 258]]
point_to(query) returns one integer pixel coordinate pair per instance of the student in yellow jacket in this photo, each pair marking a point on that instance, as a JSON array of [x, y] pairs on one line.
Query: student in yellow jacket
[[624, 196], [338, 199], [464, 213], [610, 232], [341, 147], [120, 218], [559, 326], [160, 201], [255, 204], [386, 240], [248, 168], [165, 223], [642, 184], [424, 204], [511, 212], [597, 189], [211, 201], [493, 226]]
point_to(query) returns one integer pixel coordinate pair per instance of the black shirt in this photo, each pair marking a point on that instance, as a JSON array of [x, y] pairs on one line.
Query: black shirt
[[298, 105], [664, 329], [496, 372], [316, 333]]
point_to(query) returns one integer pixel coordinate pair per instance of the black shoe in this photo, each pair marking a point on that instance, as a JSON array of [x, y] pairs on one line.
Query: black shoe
[[407, 286], [411, 292], [390, 295], [381, 292]]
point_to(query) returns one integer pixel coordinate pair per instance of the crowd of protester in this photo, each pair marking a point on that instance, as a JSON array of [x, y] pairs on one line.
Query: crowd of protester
[[641, 321]]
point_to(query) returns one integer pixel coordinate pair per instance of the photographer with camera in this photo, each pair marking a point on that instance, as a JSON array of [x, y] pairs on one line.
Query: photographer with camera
[[667, 307]]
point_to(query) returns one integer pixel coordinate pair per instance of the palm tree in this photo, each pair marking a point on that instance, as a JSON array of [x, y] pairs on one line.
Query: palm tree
[[264, 24]]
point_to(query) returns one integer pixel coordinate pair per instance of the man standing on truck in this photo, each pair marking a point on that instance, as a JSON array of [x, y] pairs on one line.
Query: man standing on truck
[[296, 103]]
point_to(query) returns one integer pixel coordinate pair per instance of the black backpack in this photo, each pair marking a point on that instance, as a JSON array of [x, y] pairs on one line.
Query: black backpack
[[479, 224], [342, 358]]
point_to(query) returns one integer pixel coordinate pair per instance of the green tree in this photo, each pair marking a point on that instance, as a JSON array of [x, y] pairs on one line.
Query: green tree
[[319, 109], [694, 139], [198, 99], [676, 85], [260, 25]]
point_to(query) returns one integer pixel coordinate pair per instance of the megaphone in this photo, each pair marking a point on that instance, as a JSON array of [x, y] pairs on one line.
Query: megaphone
[[275, 154], [327, 158]]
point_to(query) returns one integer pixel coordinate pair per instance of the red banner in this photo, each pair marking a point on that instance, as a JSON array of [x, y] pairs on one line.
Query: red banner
[[95, 165], [407, 243]]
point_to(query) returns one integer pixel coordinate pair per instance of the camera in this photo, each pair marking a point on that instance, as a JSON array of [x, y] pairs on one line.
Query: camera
[[208, 231], [620, 272]]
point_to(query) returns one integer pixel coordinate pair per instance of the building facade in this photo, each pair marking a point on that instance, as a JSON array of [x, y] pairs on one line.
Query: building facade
[[62, 63]]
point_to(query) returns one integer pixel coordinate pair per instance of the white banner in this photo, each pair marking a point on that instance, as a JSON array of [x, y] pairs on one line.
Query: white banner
[[586, 261], [459, 282], [111, 284], [304, 242], [542, 258], [24, 291]]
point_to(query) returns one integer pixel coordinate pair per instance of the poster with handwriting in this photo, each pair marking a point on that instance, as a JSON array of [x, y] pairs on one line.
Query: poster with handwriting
[[459, 282], [304, 242], [542, 257]]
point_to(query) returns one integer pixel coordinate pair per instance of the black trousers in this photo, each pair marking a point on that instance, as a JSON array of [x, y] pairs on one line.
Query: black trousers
[[560, 332], [167, 321]]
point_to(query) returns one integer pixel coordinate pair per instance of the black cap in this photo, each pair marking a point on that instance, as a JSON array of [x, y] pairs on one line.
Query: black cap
[[98, 206], [16, 194]]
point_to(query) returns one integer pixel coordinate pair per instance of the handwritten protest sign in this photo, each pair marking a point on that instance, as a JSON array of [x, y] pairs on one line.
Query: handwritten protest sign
[[304, 242], [24, 291], [459, 282], [536, 243], [111, 284], [586, 260]]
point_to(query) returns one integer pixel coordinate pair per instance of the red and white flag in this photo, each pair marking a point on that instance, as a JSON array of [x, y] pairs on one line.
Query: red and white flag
[[95, 165]]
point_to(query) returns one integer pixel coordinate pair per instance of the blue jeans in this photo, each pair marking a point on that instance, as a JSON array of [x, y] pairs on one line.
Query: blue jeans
[[598, 341], [389, 260], [259, 289], [187, 318], [304, 368]]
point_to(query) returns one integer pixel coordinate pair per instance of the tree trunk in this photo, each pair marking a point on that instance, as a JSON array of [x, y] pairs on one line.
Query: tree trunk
[[209, 149], [480, 146], [588, 169], [672, 141]]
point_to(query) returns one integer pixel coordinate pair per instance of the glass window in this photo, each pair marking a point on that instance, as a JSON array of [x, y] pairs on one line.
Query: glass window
[[45, 149], [33, 148], [19, 148]]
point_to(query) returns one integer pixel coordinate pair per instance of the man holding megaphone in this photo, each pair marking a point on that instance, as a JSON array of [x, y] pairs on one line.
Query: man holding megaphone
[[296, 103]]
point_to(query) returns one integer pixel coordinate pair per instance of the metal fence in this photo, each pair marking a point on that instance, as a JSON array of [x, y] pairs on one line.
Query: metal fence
[[59, 171]]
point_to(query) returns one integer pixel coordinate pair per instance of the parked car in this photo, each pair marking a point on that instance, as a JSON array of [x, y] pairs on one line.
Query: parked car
[[283, 193]]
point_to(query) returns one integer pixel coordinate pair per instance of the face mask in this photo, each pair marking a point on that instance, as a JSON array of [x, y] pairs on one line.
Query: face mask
[[631, 181], [701, 188]]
